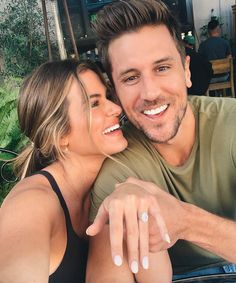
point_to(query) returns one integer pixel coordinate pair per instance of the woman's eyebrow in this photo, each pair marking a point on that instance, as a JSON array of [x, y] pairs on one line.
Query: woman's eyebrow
[[94, 95]]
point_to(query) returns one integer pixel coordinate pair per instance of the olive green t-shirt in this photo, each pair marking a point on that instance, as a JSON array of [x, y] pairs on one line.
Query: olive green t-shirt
[[207, 179]]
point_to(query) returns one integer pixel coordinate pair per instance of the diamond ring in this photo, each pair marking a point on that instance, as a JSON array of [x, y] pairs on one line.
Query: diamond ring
[[143, 216]]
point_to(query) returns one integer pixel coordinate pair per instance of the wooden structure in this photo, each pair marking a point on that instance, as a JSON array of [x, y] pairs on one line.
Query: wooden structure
[[223, 66], [234, 20], [59, 32]]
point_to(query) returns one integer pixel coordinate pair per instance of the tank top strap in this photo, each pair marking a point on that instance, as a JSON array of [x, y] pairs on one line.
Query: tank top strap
[[57, 190]]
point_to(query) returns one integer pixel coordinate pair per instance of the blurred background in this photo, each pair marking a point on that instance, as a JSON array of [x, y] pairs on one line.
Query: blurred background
[[35, 31]]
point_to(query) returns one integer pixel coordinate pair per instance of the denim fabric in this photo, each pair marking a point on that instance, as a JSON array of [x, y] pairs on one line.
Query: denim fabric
[[220, 79], [229, 268]]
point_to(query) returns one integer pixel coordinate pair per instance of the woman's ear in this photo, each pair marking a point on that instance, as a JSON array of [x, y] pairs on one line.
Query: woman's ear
[[187, 72], [64, 142]]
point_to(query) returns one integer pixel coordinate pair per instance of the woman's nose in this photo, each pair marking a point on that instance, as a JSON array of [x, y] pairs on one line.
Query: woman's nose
[[113, 108]]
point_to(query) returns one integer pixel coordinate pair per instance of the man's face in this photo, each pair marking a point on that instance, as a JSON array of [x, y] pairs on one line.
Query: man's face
[[150, 81]]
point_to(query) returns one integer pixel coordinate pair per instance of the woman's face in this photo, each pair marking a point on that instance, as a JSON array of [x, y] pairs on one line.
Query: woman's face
[[105, 135]]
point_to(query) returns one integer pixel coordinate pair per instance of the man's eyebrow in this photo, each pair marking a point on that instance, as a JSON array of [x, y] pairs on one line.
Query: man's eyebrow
[[164, 59], [123, 73]]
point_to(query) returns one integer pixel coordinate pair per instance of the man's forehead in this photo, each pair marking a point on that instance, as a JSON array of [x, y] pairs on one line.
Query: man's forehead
[[130, 49]]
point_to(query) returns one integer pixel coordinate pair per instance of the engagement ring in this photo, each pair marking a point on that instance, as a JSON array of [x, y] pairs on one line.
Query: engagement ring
[[143, 217]]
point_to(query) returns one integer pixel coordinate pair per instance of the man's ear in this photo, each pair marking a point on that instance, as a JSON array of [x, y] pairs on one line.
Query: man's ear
[[187, 72]]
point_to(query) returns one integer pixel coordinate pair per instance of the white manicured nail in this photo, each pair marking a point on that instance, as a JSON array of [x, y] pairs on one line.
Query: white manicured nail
[[145, 262], [167, 238], [117, 260], [134, 266]]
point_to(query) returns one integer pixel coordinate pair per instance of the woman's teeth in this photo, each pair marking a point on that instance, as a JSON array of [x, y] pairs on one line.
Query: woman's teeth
[[111, 129]]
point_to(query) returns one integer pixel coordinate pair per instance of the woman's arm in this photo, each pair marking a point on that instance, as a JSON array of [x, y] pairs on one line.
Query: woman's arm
[[25, 228], [159, 271], [101, 269]]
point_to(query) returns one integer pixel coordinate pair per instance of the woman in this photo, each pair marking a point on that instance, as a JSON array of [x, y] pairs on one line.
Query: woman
[[72, 126]]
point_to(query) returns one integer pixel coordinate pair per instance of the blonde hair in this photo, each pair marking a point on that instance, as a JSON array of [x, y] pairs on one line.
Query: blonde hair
[[43, 112]]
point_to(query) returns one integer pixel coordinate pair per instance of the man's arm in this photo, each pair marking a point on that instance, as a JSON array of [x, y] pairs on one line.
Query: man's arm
[[191, 223], [184, 221], [211, 232]]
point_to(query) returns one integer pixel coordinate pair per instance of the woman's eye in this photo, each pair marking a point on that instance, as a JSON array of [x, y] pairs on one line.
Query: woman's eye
[[94, 103]]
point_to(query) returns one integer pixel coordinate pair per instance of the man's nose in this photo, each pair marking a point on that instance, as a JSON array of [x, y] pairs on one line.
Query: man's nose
[[150, 88]]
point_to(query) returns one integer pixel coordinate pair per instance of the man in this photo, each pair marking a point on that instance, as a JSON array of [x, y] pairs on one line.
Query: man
[[200, 68], [186, 147], [215, 47]]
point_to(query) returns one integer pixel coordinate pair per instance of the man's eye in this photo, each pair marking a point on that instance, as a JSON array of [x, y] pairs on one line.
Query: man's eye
[[162, 68], [94, 103], [130, 79]]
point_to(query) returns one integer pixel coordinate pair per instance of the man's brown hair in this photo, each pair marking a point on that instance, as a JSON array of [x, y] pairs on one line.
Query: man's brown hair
[[126, 16]]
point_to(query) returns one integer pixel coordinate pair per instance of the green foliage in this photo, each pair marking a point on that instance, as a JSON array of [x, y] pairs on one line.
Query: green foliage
[[10, 134], [22, 40], [11, 137]]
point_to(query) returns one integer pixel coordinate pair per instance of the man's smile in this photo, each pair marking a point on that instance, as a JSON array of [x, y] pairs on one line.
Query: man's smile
[[156, 111]]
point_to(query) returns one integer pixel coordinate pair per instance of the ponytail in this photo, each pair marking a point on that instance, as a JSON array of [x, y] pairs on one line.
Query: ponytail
[[23, 162]]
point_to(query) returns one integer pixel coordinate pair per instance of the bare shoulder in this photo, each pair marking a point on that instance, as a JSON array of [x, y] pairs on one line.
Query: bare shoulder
[[31, 199], [28, 217]]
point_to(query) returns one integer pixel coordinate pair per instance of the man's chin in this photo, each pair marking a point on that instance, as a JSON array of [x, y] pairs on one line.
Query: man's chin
[[156, 136]]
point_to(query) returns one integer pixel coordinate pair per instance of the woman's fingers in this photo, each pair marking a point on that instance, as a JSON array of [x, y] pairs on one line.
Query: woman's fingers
[[143, 222], [132, 235], [100, 220], [116, 231]]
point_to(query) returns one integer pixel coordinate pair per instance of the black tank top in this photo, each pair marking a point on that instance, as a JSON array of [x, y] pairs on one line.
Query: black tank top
[[72, 268]]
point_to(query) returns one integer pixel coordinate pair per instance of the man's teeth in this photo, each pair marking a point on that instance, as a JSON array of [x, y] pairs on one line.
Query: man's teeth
[[111, 129], [156, 111]]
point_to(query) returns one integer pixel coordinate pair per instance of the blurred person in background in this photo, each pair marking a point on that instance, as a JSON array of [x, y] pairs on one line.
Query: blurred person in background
[[215, 47], [200, 68]]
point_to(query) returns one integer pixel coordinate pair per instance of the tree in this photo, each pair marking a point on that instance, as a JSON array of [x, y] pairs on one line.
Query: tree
[[22, 38]]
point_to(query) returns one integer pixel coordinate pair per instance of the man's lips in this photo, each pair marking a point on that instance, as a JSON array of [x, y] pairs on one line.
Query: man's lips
[[155, 111]]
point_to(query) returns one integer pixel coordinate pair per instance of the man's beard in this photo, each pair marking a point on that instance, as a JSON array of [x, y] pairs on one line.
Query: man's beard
[[155, 138]]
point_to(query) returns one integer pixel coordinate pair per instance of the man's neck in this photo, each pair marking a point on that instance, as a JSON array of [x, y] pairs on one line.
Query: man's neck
[[177, 151], [215, 34]]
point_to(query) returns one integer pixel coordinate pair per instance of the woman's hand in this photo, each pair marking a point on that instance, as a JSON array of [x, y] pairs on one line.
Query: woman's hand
[[134, 214]]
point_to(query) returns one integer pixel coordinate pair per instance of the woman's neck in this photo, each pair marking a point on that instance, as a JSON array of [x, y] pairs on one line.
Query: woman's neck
[[78, 174]]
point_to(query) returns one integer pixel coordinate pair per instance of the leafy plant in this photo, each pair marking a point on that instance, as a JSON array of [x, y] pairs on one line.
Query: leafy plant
[[11, 137], [22, 39]]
